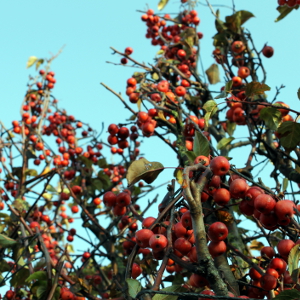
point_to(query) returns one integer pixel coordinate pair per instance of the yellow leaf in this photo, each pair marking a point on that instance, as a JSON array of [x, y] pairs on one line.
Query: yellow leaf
[[256, 245], [162, 4], [179, 176], [46, 170], [139, 104], [31, 61], [161, 115]]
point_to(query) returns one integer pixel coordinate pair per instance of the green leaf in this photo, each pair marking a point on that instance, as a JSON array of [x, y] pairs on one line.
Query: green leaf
[[285, 183], [288, 295], [51, 189], [38, 63], [256, 88], [271, 116], [293, 259], [224, 142], [41, 291], [228, 86], [201, 145], [19, 278], [284, 11], [211, 108], [143, 169], [97, 184], [6, 242], [235, 21], [20, 204], [172, 288], [230, 127], [105, 180], [221, 95], [4, 266], [31, 172], [162, 4], [31, 61], [88, 163], [290, 132], [213, 74], [39, 275], [134, 287], [298, 93], [191, 156]]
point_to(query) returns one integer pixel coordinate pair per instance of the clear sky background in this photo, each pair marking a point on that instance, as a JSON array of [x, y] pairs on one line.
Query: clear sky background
[[88, 28]]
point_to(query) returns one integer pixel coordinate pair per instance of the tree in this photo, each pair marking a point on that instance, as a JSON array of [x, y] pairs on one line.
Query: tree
[[194, 245]]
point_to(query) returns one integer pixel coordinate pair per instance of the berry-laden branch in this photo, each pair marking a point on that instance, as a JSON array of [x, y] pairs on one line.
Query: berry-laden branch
[[192, 193]]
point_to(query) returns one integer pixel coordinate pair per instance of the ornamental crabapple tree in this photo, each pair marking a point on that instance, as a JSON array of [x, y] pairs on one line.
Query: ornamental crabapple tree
[[59, 190]]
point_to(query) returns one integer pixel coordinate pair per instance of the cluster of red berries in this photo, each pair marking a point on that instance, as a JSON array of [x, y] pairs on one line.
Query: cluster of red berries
[[169, 33], [115, 173], [128, 51], [275, 267], [146, 122], [118, 202]]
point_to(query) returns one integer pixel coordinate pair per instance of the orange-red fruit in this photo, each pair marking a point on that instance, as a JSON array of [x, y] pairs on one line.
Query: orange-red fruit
[[268, 282], [109, 199], [221, 196], [264, 203], [219, 165], [237, 47], [243, 72], [143, 236], [217, 248], [203, 159], [217, 231], [136, 271], [284, 247], [238, 188], [158, 242]]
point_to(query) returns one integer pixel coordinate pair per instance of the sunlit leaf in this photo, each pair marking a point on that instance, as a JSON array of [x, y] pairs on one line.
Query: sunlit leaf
[[213, 74], [211, 108], [230, 127], [256, 88], [256, 245], [143, 169], [31, 172], [38, 63], [139, 104], [271, 116], [293, 260], [178, 174], [162, 3], [201, 145], [285, 183], [224, 142], [161, 115], [31, 61]]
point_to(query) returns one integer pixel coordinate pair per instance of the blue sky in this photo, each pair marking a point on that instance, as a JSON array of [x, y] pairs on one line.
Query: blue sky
[[89, 28]]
